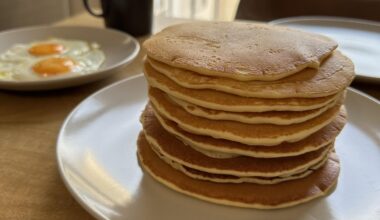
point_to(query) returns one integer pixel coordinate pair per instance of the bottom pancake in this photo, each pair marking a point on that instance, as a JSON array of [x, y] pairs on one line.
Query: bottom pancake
[[248, 195]]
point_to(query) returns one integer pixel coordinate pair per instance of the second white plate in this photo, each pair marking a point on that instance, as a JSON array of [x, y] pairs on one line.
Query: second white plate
[[358, 39], [96, 153], [119, 49]]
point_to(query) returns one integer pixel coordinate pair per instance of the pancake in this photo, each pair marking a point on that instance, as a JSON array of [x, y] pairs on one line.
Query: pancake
[[250, 134], [174, 149], [226, 102], [250, 195], [237, 50], [271, 117], [210, 153], [222, 178], [333, 76], [313, 142]]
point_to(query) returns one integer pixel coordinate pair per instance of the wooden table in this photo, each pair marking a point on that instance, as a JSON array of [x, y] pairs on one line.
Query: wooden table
[[30, 185]]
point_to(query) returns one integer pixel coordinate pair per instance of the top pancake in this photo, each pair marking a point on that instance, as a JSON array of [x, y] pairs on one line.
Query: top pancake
[[237, 50], [335, 74]]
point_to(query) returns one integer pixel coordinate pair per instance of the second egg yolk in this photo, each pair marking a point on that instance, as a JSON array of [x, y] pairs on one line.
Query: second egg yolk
[[53, 66], [46, 49]]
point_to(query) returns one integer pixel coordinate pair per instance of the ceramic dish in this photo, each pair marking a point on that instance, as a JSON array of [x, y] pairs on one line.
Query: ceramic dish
[[119, 49], [96, 153]]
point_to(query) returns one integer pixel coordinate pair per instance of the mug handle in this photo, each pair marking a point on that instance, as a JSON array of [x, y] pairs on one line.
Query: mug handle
[[89, 9]]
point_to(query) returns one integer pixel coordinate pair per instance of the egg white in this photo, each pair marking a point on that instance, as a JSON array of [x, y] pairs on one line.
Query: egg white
[[16, 63]]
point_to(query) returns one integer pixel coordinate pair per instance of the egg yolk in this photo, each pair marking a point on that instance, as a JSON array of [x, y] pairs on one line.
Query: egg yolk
[[46, 49], [53, 66]]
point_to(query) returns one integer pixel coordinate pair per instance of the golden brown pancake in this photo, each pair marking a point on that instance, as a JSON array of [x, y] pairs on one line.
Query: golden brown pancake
[[223, 178], [174, 149], [333, 76], [241, 51], [211, 153], [227, 102], [250, 195], [271, 117], [313, 142], [250, 134]]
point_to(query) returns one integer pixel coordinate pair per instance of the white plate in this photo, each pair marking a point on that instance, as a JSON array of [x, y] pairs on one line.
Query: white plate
[[96, 153], [119, 49], [358, 39]]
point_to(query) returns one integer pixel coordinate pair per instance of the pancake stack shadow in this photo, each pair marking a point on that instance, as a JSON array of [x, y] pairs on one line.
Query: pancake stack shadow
[[243, 114]]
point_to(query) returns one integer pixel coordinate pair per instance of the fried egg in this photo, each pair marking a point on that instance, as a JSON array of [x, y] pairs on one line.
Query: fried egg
[[49, 59]]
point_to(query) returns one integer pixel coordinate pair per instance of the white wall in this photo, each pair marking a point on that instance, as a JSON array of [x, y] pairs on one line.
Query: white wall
[[18, 13], [224, 10]]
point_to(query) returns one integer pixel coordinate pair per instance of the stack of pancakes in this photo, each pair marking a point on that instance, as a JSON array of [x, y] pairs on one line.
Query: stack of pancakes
[[243, 114]]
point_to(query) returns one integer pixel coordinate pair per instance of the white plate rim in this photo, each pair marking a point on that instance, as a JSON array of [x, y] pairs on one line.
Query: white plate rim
[[95, 213], [68, 186], [325, 18], [96, 74]]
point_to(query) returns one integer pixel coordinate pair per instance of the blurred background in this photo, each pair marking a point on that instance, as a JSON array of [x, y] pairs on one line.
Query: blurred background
[[17, 13]]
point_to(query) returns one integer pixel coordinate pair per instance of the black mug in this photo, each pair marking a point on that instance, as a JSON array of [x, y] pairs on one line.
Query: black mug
[[131, 16]]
